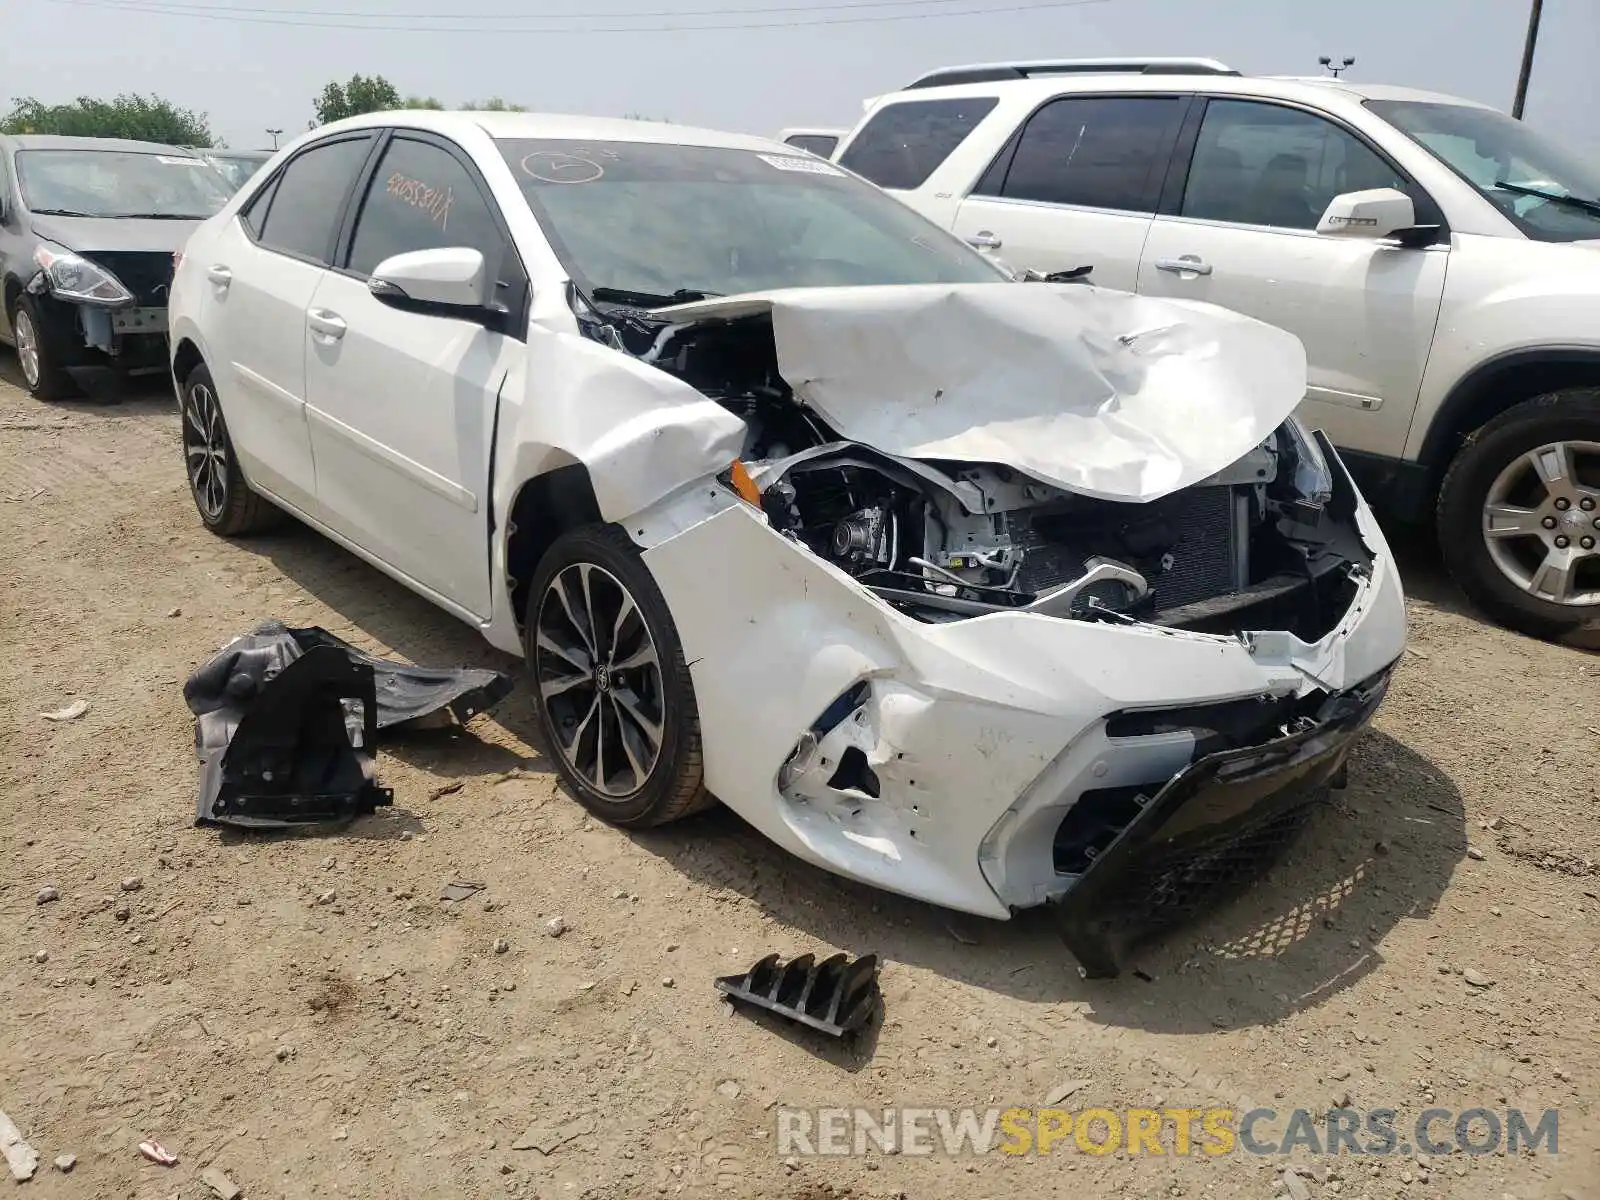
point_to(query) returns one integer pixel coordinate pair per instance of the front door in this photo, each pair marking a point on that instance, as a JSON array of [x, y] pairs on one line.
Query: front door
[[1078, 187], [402, 404], [1244, 237]]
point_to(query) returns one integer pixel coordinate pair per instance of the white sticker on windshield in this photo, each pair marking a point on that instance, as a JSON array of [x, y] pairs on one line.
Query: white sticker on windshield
[[807, 166], [178, 162]]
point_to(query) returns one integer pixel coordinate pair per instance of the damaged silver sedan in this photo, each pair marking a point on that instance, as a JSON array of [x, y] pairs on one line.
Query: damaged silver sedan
[[997, 594]]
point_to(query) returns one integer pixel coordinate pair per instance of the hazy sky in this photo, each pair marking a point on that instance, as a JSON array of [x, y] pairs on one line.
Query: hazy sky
[[228, 59]]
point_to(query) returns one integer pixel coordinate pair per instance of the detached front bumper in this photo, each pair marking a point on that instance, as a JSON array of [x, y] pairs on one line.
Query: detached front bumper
[[1215, 826], [994, 763]]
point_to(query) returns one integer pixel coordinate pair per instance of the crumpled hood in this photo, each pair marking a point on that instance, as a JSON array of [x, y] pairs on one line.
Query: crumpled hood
[[1103, 393]]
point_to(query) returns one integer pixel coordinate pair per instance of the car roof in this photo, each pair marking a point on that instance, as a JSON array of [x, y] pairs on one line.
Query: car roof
[[50, 141], [559, 126], [1309, 89]]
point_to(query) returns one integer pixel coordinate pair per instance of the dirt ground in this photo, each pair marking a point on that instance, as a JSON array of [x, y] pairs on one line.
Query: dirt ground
[[307, 1015]]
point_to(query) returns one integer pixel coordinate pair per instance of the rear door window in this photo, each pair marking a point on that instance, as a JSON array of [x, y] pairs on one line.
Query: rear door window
[[308, 199], [902, 144], [1094, 151]]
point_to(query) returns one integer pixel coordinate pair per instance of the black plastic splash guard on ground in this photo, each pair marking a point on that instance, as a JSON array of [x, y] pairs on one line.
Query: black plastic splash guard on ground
[[287, 723], [836, 995], [1213, 827]]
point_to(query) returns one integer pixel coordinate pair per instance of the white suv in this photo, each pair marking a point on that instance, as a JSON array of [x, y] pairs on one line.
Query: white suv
[[1450, 310]]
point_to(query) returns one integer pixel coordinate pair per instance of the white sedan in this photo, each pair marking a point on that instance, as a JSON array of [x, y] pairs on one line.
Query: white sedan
[[993, 593]]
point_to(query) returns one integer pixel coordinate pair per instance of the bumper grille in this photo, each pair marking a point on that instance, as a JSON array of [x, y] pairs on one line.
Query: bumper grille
[[145, 273], [1165, 891]]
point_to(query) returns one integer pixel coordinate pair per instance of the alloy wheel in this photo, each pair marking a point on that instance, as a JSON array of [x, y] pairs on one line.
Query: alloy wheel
[[27, 347], [205, 449], [1541, 522], [599, 678]]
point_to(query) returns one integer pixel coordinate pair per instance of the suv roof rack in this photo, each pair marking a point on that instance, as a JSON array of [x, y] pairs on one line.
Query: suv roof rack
[[988, 72]]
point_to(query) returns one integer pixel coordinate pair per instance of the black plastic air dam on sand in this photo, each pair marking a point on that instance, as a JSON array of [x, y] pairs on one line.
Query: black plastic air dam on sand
[[836, 995]]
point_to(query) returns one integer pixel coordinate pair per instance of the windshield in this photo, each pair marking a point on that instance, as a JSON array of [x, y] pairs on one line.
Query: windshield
[[653, 219], [235, 168], [119, 183], [1491, 150]]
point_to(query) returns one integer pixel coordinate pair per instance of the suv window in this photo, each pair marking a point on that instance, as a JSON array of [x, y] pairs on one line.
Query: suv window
[[1264, 164], [1096, 151], [905, 143], [820, 144], [308, 196], [422, 198]]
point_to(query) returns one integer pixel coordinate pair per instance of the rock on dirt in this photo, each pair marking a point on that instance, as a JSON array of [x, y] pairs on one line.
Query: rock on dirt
[[221, 1186], [47, 895], [22, 1158], [65, 1162]]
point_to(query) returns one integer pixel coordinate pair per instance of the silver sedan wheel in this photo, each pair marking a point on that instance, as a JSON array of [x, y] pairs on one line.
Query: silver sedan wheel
[[205, 450], [1541, 522], [599, 677], [27, 347]]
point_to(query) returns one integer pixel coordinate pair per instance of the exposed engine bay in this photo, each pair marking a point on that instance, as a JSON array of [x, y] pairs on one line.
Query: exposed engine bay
[[1268, 543]]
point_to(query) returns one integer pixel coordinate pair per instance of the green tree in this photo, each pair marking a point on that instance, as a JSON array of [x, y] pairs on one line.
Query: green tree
[[492, 104], [361, 94], [142, 118], [421, 102]]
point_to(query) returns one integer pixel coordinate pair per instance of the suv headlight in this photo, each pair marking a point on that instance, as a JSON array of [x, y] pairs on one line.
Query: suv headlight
[[1312, 480], [73, 277]]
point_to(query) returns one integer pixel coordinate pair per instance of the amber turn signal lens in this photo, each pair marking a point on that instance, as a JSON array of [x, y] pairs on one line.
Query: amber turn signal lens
[[744, 485]]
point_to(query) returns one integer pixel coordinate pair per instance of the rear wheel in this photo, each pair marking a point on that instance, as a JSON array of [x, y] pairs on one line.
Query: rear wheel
[[615, 702], [221, 496], [1519, 514], [37, 353]]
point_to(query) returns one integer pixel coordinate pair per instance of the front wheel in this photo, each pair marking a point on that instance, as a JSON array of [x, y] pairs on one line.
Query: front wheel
[[1519, 514], [37, 353], [221, 496], [615, 702]]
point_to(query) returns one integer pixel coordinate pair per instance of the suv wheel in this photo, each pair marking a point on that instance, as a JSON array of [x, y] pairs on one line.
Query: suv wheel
[[1519, 514], [615, 702], [221, 496]]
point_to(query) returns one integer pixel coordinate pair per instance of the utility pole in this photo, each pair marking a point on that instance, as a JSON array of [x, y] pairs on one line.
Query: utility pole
[[273, 133], [1527, 58], [1336, 70]]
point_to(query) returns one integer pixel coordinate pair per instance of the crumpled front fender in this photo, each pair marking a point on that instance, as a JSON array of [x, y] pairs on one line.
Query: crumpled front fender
[[642, 433]]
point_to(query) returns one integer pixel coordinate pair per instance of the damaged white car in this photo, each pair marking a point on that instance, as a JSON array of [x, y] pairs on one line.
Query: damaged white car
[[996, 594]]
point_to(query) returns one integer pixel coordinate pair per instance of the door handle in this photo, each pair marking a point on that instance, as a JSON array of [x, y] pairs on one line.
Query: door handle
[[984, 240], [325, 324], [219, 275], [1188, 264]]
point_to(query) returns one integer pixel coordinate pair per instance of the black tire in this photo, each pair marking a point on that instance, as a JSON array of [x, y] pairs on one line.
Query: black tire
[[48, 380], [226, 504], [1567, 416], [631, 701]]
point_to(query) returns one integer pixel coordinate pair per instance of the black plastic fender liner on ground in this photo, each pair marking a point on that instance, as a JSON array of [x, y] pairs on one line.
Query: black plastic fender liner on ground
[[836, 995], [287, 723]]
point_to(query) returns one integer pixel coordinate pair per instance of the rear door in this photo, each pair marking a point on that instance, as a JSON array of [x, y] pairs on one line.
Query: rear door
[[263, 270], [903, 143], [1238, 228], [1077, 186], [401, 404]]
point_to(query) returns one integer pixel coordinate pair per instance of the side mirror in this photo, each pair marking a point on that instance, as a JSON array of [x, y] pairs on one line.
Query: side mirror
[[450, 281], [1379, 213]]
